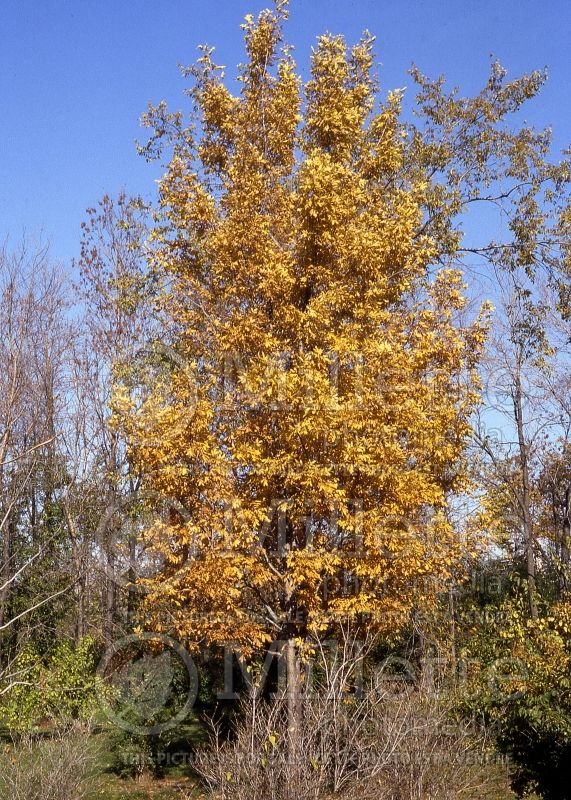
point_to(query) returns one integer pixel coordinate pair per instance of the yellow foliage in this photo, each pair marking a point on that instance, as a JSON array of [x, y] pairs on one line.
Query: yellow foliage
[[318, 428]]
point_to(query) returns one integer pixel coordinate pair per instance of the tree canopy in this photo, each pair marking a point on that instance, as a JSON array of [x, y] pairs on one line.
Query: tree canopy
[[312, 425]]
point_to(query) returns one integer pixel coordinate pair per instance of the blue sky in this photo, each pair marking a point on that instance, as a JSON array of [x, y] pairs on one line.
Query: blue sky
[[75, 75]]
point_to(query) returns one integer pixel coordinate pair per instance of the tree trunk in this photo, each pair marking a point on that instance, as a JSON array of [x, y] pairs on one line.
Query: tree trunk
[[525, 496], [109, 600], [565, 546], [5, 569], [294, 709], [132, 576]]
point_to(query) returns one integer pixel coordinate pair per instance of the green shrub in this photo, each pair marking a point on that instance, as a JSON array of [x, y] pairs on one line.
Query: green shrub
[[60, 686], [523, 687]]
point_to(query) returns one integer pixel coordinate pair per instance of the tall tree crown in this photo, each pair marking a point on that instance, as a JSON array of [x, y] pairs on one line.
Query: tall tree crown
[[317, 426]]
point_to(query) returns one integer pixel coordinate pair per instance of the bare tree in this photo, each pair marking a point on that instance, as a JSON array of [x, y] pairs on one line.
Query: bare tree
[[524, 425], [116, 293], [33, 343]]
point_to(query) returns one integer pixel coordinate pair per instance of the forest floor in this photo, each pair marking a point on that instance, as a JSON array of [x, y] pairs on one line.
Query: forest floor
[[176, 782]]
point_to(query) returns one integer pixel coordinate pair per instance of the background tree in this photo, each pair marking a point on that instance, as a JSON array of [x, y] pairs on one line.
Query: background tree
[[33, 595], [69, 513], [103, 502]]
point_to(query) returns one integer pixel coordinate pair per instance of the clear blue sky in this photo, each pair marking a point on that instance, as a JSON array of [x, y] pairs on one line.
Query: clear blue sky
[[75, 76]]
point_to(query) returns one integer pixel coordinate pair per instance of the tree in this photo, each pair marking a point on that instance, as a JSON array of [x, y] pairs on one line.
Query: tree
[[68, 501], [555, 514], [523, 471], [102, 501], [33, 345], [310, 426], [476, 158]]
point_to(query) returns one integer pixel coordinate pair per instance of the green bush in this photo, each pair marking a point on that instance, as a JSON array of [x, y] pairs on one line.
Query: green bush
[[60, 686], [523, 687]]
